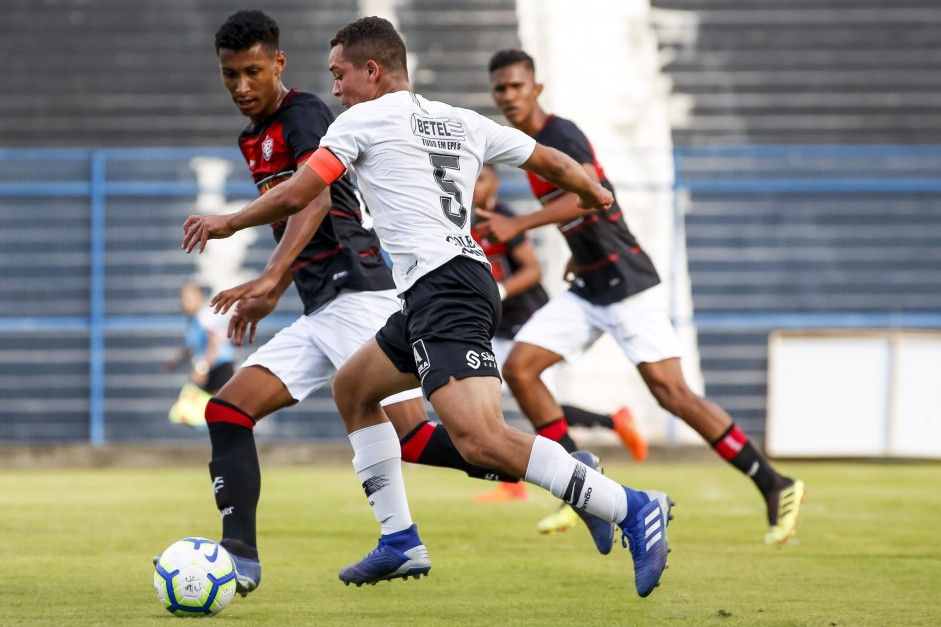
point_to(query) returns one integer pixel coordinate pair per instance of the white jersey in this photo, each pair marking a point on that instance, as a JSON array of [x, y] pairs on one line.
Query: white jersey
[[416, 163]]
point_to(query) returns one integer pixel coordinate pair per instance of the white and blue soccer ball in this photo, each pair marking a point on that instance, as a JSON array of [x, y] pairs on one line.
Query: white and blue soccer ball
[[194, 577]]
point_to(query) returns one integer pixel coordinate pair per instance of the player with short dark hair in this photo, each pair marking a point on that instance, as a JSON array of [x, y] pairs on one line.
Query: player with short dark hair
[[518, 274], [615, 290], [416, 163], [335, 264]]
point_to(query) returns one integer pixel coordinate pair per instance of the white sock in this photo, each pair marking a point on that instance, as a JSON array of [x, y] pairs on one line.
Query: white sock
[[377, 461], [552, 468]]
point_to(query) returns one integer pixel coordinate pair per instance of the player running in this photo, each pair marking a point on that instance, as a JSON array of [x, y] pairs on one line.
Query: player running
[[518, 274], [416, 162], [343, 282], [616, 290]]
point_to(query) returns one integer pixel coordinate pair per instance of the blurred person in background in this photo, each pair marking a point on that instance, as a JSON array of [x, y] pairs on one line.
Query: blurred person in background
[[208, 352], [518, 274], [615, 290]]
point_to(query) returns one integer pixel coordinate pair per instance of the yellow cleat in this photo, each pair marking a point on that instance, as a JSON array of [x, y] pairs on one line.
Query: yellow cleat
[[558, 521], [783, 508]]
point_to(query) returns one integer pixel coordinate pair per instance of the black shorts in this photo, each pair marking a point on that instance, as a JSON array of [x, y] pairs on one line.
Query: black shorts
[[444, 331]]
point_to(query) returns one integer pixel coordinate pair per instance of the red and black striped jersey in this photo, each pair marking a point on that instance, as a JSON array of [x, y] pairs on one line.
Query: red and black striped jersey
[[609, 263], [342, 254], [516, 310]]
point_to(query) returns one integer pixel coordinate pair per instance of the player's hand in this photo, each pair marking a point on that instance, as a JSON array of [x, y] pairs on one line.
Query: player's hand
[[255, 288], [598, 198], [246, 318], [569, 274], [201, 229], [497, 227]]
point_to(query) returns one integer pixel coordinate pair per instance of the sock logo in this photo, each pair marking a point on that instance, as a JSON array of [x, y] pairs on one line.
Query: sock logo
[[374, 484], [225, 511], [217, 484], [754, 468], [574, 489]]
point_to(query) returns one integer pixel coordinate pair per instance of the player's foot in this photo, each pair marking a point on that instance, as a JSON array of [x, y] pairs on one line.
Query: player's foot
[[783, 508], [645, 532], [626, 428], [398, 555], [558, 521], [247, 569], [601, 530], [503, 493]]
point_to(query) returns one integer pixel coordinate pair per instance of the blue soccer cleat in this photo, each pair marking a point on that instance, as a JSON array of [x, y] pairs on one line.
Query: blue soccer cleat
[[247, 574], [247, 569], [399, 555], [646, 532], [601, 530]]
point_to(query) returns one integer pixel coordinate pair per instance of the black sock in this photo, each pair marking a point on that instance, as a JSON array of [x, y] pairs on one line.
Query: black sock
[[430, 444], [236, 476], [584, 418], [736, 448]]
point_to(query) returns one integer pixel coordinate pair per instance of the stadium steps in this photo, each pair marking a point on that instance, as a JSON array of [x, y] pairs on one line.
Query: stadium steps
[[113, 73], [451, 44], [819, 71]]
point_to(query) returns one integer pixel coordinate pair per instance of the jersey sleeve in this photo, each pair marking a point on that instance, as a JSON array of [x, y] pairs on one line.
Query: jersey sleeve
[[506, 145], [346, 137], [568, 138], [303, 126]]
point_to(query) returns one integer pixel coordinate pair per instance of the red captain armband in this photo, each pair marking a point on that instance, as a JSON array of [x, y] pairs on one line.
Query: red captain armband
[[326, 165]]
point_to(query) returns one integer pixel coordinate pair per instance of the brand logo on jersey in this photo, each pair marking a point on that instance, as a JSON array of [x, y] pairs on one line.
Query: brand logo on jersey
[[267, 147], [438, 132], [422, 362]]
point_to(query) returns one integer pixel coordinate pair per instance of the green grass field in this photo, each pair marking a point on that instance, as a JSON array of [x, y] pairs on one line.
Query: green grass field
[[75, 549]]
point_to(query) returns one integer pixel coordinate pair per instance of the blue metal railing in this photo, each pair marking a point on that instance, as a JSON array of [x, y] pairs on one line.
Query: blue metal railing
[[765, 170]]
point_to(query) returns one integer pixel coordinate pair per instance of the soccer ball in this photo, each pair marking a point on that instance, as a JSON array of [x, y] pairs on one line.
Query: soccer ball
[[194, 577]]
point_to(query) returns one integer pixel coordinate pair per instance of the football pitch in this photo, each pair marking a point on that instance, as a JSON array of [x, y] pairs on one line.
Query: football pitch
[[76, 549]]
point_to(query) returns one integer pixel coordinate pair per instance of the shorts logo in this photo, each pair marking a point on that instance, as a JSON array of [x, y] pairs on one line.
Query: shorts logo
[[267, 147], [422, 362], [475, 360]]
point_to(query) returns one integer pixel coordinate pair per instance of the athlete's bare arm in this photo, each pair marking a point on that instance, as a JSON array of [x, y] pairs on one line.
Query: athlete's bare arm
[[250, 311], [566, 173], [300, 228], [285, 200], [528, 273], [560, 210]]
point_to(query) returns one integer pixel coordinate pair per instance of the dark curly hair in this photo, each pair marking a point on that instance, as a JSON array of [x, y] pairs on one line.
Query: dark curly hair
[[372, 38], [510, 56], [244, 29]]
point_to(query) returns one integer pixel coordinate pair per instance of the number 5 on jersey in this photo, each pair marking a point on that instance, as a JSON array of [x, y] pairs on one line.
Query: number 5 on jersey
[[441, 163]]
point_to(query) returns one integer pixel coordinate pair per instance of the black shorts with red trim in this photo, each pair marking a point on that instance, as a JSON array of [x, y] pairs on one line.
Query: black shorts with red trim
[[449, 317]]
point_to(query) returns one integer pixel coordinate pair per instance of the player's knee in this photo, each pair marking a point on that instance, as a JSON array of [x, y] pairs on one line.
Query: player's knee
[[516, 372], [676, 399], [344, 391]]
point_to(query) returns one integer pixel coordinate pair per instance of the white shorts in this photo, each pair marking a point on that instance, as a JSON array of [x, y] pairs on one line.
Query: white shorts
[[569, 325], [307, 354]]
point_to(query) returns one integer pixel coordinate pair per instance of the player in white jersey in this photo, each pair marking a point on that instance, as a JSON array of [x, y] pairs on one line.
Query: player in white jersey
[[416, 162]]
